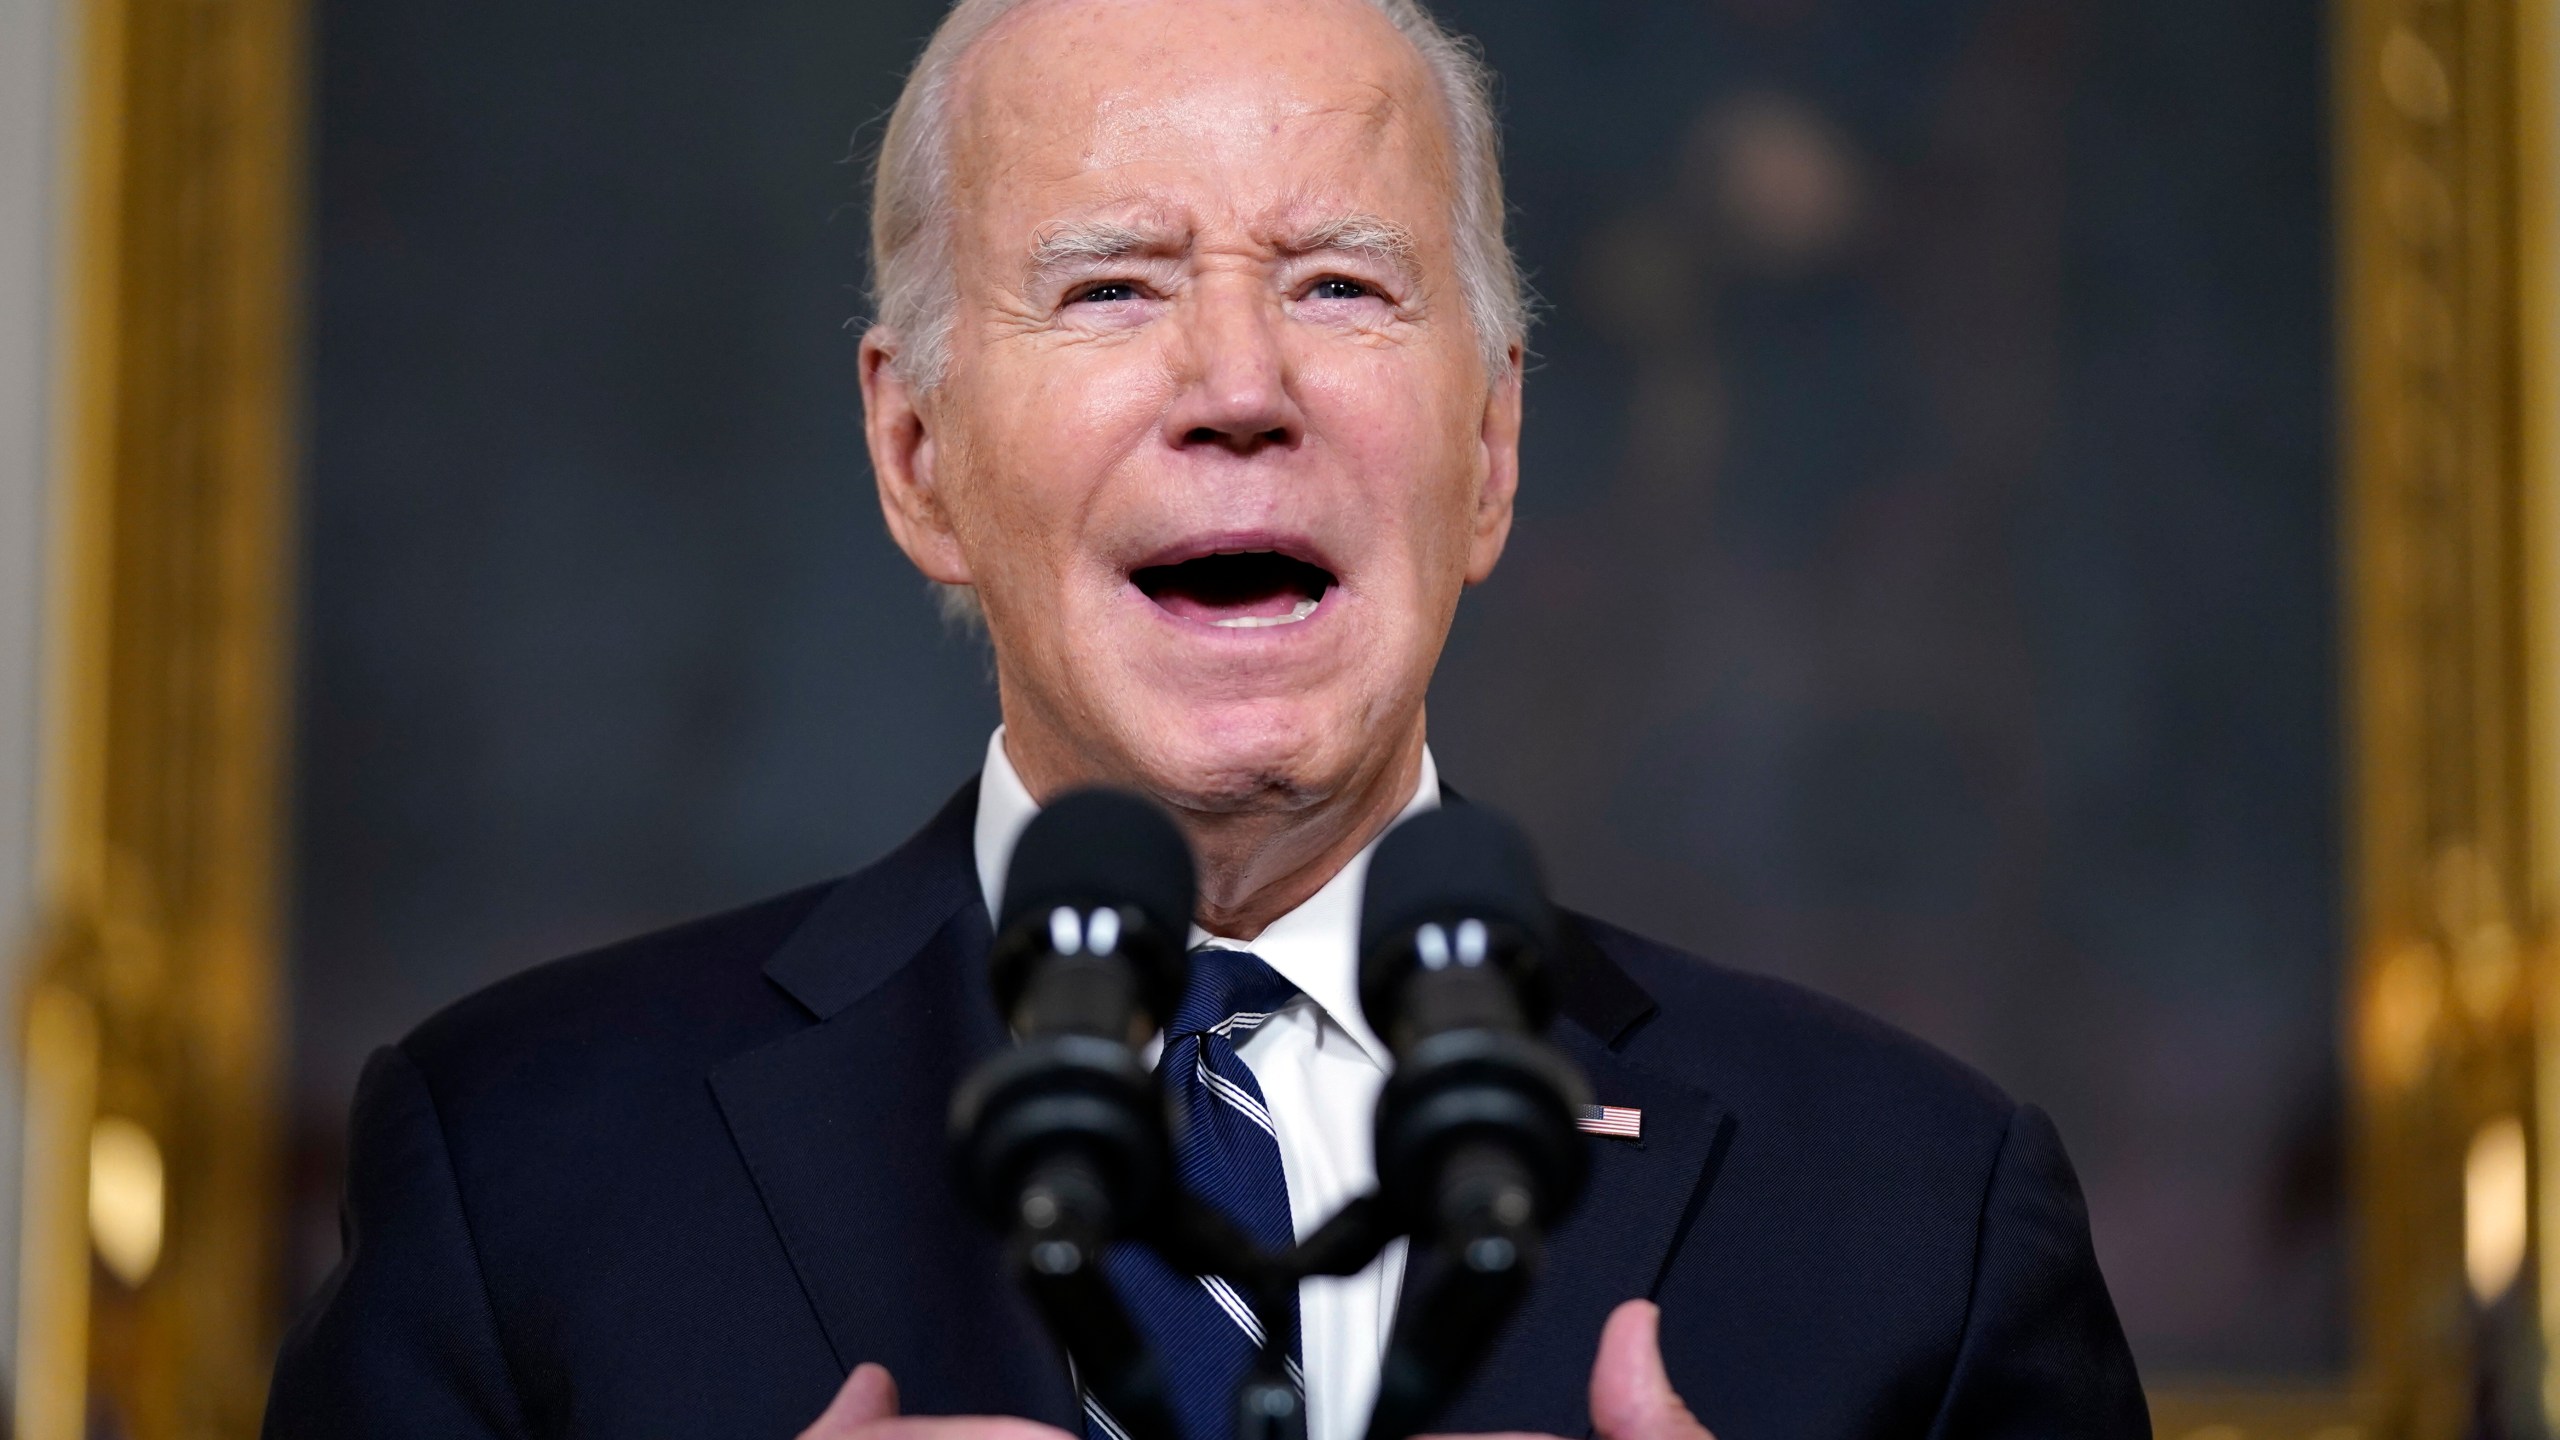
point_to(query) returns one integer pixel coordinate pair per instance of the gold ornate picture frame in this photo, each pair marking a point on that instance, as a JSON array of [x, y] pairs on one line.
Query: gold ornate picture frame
[[151, 1007], [2443, 118]]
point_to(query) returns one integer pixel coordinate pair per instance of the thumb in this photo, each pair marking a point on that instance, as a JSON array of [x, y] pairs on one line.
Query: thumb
[[1631, 1395], [869, 1395]]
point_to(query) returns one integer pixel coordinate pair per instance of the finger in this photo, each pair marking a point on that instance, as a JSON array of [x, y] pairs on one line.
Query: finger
[[869, 1395], [1631, 1394]]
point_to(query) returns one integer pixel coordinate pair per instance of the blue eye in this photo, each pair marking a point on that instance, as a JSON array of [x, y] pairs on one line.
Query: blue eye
[[1334, 287], [1106, 293]]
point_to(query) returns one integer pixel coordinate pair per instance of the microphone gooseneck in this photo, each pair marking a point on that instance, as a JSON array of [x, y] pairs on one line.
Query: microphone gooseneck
[[1478, 1155], [1060, 1140]]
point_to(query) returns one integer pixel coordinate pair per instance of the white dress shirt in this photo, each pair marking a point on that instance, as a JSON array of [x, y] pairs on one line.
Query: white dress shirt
[[1320, 1068]]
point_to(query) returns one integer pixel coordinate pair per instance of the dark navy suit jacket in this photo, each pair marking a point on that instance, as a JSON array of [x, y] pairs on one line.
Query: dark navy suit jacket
[[681, 1186]]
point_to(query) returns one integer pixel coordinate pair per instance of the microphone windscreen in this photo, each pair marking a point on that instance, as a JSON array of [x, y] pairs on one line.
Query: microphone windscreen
[[1456, 861], [1092, 848]]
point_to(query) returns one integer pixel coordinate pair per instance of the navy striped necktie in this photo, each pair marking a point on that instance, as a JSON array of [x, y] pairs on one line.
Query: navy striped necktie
[[1227, 1153]]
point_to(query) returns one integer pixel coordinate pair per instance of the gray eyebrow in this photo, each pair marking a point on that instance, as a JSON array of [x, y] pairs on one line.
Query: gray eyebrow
[[1084, 242], [1361, 235]]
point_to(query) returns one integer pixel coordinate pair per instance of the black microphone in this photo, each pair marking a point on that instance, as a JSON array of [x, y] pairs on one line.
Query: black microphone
[[1060, 1141], [1478, 1154]]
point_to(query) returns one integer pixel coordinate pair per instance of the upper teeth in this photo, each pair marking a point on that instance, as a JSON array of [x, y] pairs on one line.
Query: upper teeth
[[1297, 612]]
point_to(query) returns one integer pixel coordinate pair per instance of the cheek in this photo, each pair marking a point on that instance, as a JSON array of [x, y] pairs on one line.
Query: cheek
[[1415, 443], [1045, 436], [1083, 404]]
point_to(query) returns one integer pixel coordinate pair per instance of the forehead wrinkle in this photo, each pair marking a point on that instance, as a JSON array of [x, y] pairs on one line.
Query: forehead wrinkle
[[1004, 144], [993, 119], [1377, 112]]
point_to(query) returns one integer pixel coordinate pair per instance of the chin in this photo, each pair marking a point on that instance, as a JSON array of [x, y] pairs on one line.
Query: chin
[[1281, 754]]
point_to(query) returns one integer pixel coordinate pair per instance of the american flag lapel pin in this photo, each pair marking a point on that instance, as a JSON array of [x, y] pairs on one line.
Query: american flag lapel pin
[[1618, 1122]]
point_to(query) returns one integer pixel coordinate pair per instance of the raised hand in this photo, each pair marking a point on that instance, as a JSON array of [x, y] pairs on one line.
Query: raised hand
[[1631, 1395], [867, 1409], [1631, 1398]]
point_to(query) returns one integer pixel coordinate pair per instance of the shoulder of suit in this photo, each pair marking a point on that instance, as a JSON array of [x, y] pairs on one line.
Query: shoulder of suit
[[676, 998], [1777, 1047], [673, 1001]]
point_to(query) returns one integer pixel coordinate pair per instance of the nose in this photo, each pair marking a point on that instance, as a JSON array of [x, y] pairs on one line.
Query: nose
[[1235, 392]]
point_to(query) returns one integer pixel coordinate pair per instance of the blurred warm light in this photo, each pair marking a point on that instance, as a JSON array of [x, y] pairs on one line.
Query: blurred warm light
[[128, 1198], [2493, 1208], [2400, 1013]]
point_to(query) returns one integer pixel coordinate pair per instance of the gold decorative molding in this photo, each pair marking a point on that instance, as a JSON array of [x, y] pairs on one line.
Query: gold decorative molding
[[2441, 116], [153, 1002], [2450, 528]]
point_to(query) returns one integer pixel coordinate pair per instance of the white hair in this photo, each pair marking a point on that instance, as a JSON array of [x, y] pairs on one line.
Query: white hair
[[913, 295]]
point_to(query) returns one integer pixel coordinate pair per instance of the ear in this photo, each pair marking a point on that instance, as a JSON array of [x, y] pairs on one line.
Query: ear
[[1500, 442], [898, 427]]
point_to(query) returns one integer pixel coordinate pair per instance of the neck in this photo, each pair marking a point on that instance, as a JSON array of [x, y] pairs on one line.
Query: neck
[[1256, 864]]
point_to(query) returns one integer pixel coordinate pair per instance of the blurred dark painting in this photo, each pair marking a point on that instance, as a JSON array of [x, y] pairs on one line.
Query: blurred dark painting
[[1922, 588]]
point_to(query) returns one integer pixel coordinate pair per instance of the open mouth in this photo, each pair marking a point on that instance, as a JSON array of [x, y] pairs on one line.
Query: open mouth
[[1246, 590]]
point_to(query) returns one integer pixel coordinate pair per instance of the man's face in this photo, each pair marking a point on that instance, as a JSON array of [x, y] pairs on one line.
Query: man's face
[[1217, 444]]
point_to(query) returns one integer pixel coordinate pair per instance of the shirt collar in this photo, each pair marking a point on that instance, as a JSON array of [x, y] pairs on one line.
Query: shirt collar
[[1315, 947]]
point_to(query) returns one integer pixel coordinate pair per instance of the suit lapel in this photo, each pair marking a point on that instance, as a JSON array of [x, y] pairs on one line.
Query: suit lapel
[[1616, 1244], [841, 1126]]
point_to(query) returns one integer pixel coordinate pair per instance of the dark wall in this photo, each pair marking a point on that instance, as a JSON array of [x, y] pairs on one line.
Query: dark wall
[[1923, 586]]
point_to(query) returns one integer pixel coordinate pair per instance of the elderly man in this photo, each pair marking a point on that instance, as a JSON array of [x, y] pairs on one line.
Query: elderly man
[[1198, 370]]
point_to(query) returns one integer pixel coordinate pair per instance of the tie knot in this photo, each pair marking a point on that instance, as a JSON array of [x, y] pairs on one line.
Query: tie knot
[[1231, 992]]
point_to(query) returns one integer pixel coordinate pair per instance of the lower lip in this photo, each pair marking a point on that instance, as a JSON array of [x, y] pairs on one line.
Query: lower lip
[[1268, 629]]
